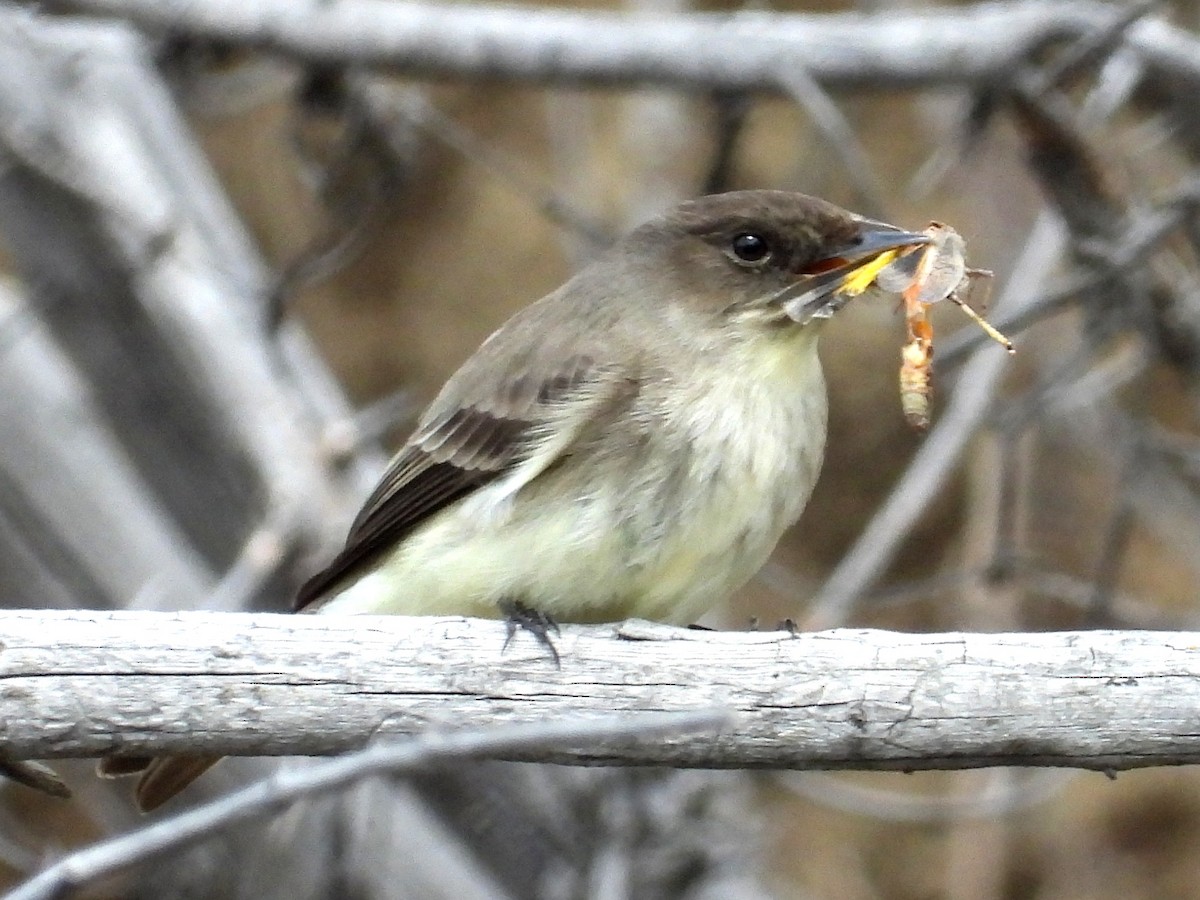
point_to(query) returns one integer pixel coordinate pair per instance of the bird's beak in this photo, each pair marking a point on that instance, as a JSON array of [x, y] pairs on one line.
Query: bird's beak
[[846, 271]]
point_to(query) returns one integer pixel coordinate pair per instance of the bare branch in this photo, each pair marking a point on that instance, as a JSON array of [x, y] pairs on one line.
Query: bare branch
[[1001, 796], [112, 211], [844, 145], [694, 51], [1144, 236], [285, 787], [77, 685], [419, 112], [93, 530]]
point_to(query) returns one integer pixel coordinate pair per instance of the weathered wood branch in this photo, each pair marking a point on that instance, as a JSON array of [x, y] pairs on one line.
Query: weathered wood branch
[[744, 51], [87, 683], [130, 251], [67, 485]]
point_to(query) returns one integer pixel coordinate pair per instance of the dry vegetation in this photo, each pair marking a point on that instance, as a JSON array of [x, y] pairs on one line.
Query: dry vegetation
[[403, 212]]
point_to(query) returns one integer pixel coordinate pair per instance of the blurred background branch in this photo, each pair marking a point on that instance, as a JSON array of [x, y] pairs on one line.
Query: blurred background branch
[[395, 758], [738, 50]]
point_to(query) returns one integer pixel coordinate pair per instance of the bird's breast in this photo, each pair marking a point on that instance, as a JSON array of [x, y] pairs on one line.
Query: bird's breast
[[755, 440]]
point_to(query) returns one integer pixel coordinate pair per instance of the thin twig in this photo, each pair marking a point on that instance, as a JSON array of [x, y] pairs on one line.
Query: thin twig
[[1000, 797], [844, 145], [1125, 610], [260, 558], [1077, 381], [1097, 47], [285, 787], [1143, 237], [1113, 551], [1007, 539], [374, 422], [1163, 499], [359, 180], [423, 114], [731, 111]]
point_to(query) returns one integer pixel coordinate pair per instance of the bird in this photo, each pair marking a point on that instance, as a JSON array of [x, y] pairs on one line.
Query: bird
[[633, 444]]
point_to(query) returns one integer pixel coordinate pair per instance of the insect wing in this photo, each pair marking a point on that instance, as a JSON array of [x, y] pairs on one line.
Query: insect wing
[[896, 277]]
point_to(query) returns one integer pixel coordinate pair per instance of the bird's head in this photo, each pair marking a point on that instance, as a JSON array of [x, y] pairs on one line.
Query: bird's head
[[763, 258]]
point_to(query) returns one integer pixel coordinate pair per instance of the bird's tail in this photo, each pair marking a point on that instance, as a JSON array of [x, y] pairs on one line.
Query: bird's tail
[[162, 777]]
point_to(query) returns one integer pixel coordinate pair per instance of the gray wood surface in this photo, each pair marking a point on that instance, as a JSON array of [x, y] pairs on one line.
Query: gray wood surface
[[83, 683]]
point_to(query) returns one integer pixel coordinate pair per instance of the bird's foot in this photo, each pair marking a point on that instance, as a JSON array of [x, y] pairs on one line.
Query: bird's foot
[[537, 623], [788, 625]]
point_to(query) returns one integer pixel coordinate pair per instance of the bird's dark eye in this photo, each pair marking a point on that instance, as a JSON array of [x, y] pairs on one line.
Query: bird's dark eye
[[750, 247]]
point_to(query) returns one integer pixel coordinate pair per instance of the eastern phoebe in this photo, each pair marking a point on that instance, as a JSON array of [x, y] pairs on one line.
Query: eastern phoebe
[[633, 444]]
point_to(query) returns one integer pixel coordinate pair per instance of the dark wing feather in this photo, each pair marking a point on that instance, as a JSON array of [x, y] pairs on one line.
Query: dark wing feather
[[465, 453], [456, 450]]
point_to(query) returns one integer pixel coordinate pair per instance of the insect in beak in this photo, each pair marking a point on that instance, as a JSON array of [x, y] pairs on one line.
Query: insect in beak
[[845, 272], [923, 276]]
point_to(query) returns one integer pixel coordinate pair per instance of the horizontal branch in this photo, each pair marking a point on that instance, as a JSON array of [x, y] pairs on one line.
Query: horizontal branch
[[713, 51], [80, 684]]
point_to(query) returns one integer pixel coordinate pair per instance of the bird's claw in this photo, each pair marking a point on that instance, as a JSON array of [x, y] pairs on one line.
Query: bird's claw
[[537, 623]]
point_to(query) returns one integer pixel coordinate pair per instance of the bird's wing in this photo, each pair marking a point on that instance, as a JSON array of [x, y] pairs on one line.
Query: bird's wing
[[489, 420]]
